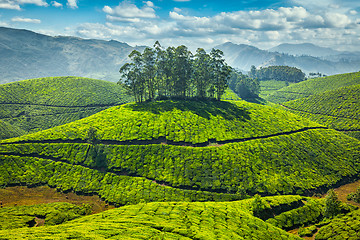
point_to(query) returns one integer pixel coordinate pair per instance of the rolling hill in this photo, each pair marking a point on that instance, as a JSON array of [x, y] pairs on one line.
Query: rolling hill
[[26, 54], [337, 109], [256, 218], [37, 104], [314, 86], [183, 151], [197, 220]]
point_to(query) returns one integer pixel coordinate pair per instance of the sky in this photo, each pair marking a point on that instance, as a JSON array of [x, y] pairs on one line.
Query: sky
[[195, 23]]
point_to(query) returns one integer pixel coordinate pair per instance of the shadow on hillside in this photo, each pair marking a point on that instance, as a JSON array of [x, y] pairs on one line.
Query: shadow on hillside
[[257, 100], [203, 108]]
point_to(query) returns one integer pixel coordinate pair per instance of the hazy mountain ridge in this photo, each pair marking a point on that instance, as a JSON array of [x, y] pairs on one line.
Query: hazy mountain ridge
[[27, 54], [243, 56]]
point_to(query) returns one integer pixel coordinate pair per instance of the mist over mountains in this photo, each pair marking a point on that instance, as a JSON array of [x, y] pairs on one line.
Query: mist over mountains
[[307, 57], [26, 54]]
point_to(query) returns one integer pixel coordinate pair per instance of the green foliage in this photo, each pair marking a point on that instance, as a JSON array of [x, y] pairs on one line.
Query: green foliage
[[355, 196], [332, 204], [91, 135], [271, 86], [244, 86], [161, 220], [280, 164], [314, 86], [175, 72], [307, 232], [337, 109], [230, 95], [279, 73], [114, 188], [343, 227], [52, 214], [311, 212], [9, 131], [180, 121], [38, 104], [258, 206]]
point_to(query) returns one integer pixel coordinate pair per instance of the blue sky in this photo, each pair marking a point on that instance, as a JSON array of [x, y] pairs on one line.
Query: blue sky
[[196, 23]]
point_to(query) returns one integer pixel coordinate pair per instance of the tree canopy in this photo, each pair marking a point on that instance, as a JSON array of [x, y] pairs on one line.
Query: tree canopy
[[175, 72], [244, 86], [280, 73]]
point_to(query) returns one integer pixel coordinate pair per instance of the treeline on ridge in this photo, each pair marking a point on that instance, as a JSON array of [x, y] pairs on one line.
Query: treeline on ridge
[[175, 73], [279, 73]]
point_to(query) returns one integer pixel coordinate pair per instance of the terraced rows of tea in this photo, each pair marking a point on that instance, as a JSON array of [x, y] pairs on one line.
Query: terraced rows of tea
[[338, 109], [314, 86], [167, 151], [9, 131], [256, 218], [38, 104]]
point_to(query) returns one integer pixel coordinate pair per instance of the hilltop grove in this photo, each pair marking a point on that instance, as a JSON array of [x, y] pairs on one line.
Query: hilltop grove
[[175, 72]]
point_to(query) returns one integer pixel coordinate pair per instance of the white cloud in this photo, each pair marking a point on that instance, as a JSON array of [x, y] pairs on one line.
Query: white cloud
[[9, 5], [72, 4], [25, 20], [128, 10], [337, 20], [353, 12], [36, 2], [264, 28], [16, 4], [56, 4], [149, 4]]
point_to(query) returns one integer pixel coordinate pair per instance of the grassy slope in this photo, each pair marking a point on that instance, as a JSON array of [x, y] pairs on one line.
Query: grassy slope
[[180, 121], [338, 109], [38, 104], [9, 131], [288, 163], [198, 220], [271, 86], [314, 86]]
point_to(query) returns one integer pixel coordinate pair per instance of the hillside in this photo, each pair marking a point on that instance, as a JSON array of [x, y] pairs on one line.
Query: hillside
[[256, 218], [337, 109], [182, 151], [314, 86], [304, 49], [37, 104], [198, 220], [9, 131], [26, 54]]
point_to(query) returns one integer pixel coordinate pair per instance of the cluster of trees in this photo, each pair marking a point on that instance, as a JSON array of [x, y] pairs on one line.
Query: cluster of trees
[[175, 72], [243, 85], [279, 73]]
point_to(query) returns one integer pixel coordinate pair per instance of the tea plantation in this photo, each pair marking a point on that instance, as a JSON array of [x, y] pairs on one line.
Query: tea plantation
[[314, 86], [38, 104], [9, 131], [337, 109], [183, 220], [183, 151]]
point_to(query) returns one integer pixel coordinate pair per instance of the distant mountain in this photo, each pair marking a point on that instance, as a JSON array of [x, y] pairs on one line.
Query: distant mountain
[[26, 54], [243, 56], [304, 49]]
